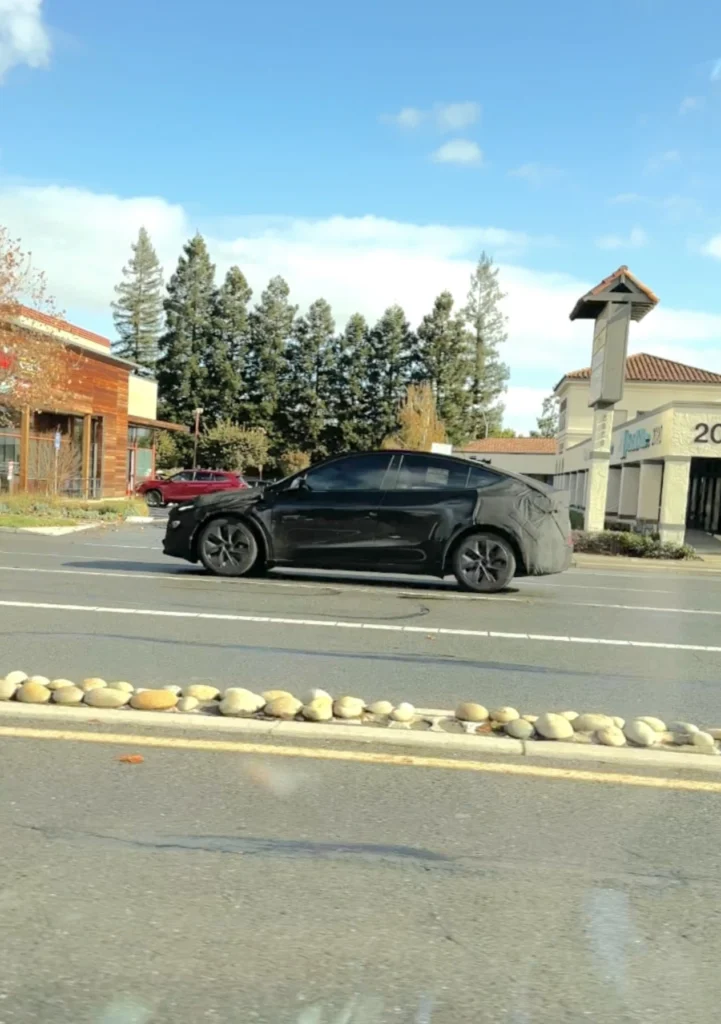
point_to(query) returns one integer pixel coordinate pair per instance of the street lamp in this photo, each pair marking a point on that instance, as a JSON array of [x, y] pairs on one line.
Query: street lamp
[[197, 413]]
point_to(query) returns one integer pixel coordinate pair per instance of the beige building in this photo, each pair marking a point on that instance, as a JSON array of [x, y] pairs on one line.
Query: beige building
[[531, 456]]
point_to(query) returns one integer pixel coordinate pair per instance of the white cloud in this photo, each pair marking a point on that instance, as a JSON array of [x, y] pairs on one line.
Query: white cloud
[[536, 174], [523, 406], [657, 163], [23, 36], [636, 239], [712, 247], [627, 197], [689, 103], [459, 151], [82, 239], [446, 117]]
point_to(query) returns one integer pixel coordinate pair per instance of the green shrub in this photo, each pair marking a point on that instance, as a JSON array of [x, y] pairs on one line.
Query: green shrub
[[633, 545], [76, 509], [228, 446]]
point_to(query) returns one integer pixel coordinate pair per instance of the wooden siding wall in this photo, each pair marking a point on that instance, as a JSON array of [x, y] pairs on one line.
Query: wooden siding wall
[[101, 389]]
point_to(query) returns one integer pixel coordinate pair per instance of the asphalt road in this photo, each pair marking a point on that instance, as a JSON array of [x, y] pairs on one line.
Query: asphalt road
[[199, 886], [630, 642]]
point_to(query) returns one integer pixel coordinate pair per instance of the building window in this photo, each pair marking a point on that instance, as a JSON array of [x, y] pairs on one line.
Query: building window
[[562, 415]]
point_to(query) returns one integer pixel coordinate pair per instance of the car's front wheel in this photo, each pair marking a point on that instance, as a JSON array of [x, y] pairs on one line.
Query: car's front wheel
[[154, 499], [227, 547], [484, 562]]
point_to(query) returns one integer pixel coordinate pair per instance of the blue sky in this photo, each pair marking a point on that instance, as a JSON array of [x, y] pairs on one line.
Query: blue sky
[[369, 152]]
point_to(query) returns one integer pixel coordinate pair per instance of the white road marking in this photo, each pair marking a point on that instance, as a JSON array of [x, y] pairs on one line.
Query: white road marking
[[496, 599], [331, 624]]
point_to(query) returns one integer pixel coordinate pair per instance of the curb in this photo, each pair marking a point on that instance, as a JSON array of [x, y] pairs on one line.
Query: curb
[[644, 564], [552, 750], [139, 519], [49, 531]]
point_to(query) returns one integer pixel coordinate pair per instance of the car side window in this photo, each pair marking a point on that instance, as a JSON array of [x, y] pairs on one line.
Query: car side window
[[181, 477], [359, 473], [205, 476], [478, 477], [424, 473]]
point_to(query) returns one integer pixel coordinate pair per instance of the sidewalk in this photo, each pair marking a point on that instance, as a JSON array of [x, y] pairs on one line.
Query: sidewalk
[[707, 564]]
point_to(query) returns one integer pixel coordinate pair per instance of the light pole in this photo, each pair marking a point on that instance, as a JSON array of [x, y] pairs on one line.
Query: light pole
[[197, 413]]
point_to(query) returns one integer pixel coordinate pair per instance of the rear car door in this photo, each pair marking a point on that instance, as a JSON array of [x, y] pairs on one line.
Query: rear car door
[[427, 501], [329, 519]]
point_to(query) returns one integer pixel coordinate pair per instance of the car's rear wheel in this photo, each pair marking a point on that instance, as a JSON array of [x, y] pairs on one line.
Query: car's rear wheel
[[227, 547], [154, 499], [484, 562]]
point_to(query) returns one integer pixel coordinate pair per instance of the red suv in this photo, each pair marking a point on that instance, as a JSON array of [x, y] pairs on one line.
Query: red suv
[[188, 484]]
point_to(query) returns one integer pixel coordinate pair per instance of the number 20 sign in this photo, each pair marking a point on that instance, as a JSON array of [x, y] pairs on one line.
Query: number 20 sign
[[706, 432]]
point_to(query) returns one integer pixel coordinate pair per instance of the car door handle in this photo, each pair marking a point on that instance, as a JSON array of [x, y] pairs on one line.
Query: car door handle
[[294, 516], [372, 515]]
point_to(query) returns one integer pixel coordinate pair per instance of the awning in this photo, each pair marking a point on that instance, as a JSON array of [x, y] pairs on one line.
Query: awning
[[140, 421]]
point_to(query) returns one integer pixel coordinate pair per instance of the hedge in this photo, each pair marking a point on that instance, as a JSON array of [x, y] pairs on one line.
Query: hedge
[[44, 507], [633, 545]]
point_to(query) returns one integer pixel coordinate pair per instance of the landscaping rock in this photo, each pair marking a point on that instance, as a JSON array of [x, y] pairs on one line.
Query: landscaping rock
[[187, 704], [33, 693], [592, 722], [122, 685], [201, 691], [172, 688], [611, 736], [92, 684], [716, 733], [7, 690], [530, 718], [519, 729], [318, 710], [468, 711], [70, 696], [380, 707], [40, 680], [705, 742], [240, 702], [504, 714], [283, 707], [686, 728], [404, 712], [569, 715], [348, 707], [554, 727], [104, 697], [153, 700], [656, 724], [16, 677], [582, 737], [618, 721], [58, 684], [640, 733], [269, 695], [315, 694]]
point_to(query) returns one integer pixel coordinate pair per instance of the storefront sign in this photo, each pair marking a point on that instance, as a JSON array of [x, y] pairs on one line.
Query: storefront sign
[[635, 441]]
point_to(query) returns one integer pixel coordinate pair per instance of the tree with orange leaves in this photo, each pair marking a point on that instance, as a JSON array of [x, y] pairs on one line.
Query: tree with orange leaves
[[32, 369], [419, 424]]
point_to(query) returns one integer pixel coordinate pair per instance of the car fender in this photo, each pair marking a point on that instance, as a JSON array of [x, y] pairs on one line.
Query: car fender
[[242, 515]]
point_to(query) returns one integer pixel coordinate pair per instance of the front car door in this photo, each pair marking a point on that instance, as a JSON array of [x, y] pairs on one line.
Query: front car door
[[328, 519], [426, 502], [179, 487]]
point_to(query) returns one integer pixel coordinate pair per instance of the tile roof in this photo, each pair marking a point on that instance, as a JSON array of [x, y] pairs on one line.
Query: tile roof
[[586, 307], [512, 446], [62, 325], [645, 368]]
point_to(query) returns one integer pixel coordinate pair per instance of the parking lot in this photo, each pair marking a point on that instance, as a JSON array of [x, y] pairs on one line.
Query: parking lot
[[108, 602]]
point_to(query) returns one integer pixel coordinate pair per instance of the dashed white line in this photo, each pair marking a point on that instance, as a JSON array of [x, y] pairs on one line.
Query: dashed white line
[[375, 626]]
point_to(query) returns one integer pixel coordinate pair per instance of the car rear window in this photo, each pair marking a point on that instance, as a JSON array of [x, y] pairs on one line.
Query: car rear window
[[420, 472]]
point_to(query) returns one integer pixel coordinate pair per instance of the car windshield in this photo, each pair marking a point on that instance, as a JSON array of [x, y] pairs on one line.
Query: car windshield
[[360, 512]]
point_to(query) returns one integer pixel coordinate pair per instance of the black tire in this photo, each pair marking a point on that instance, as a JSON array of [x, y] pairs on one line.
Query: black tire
[[227, 547], [153, 499], [484, 562]]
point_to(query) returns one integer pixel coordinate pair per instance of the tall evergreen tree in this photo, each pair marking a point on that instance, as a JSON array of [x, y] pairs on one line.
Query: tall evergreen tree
[[271, 325], [305, 411], [138, 309], [225, 354], [189, 308], [389, 369], [487, 324], [444, 349], [350, 401]]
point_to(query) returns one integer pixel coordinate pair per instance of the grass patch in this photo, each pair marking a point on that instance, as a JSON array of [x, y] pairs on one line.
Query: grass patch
[[37, 510]]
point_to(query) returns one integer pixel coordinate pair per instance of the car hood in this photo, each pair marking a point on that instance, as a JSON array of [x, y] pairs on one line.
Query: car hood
[[241, 498]]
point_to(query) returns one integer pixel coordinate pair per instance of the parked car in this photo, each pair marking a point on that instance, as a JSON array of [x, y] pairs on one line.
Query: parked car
[[390, 511], [189, 484]]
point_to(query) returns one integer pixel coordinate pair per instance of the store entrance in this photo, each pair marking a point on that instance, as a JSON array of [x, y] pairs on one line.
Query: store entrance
[[704, 496]]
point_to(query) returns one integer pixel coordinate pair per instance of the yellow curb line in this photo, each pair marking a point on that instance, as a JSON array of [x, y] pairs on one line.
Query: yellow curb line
[[364, 757]]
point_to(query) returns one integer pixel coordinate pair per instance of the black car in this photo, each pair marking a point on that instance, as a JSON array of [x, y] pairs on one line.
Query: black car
[[388, 511]]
